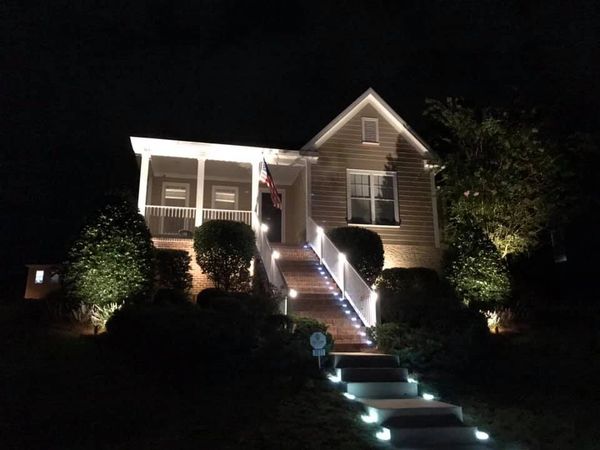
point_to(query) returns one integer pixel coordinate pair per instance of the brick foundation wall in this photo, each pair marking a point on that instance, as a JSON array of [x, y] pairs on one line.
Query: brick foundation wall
[[412, 256], [199, 279]]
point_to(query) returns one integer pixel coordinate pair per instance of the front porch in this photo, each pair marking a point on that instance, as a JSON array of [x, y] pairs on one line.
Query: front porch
[[183, 184]]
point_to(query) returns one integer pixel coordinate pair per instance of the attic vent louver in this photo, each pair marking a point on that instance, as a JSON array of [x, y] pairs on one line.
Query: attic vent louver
[[370, 130]]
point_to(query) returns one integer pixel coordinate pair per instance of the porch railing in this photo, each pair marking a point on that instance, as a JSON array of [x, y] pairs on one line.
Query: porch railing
[[179, 221], [362, 298], [227, 214]]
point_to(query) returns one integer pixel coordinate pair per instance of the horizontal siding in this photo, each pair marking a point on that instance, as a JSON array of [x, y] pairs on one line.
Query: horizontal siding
[[345, 150]]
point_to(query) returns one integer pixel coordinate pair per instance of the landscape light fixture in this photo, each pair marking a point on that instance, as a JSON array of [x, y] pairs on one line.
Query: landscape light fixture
[[481, 435], [384, 435]]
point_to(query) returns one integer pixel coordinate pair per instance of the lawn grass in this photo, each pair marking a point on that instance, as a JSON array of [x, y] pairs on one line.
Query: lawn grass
[[538, 389], [61, 391]]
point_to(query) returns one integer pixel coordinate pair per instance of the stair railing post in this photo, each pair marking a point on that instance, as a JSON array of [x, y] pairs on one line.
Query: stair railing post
[[342, 260]]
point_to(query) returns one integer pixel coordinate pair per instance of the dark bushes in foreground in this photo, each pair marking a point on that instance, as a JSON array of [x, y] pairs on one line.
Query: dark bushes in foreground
[[223, 334], [424, 326]]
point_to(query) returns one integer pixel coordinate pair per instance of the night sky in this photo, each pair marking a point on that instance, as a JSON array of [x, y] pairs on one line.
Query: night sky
[[78, 78]]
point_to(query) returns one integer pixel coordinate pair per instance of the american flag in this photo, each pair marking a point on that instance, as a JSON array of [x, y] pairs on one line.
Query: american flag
[[265, 177]]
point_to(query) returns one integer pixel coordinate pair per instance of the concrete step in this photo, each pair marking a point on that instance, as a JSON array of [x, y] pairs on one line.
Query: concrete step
[[384, 409], [429, 430], [382, 389], [343, 360], [351, 347], [373, 374]]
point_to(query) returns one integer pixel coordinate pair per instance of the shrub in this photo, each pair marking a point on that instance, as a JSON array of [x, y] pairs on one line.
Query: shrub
[[363, 248], [476, 270], [305, 326], [183, 338], [224, 250], [451, 339], [404, 292], [173, 270], [168, 296], [112, 260]]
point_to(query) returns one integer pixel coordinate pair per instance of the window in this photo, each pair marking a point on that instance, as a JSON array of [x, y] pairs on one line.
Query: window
[[225, 197], [39, 276], [372, 198], [176, 193], [370, 130]]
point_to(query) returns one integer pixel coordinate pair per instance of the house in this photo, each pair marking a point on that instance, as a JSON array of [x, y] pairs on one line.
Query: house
[[366, 168], [42, 279]]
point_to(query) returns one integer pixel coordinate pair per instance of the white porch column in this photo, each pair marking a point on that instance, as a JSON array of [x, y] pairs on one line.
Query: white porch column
[[143, 187], [255, 181], [200, 192]]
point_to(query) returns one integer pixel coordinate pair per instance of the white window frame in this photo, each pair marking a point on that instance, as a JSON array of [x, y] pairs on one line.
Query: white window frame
[[372, 173], [175, 184], [214, 190], [364, 120]]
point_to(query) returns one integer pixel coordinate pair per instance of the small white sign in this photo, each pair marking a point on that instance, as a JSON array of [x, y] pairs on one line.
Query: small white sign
[[319, 352], [318, 340]]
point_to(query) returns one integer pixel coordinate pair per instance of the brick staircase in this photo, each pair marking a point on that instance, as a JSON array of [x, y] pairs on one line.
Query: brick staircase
[[319, 297]]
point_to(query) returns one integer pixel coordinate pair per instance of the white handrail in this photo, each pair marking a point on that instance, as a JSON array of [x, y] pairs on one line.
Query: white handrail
[[269, 261], [361, 297]]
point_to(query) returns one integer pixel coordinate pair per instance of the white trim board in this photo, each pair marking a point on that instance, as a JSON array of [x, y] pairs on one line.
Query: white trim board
[[370, 97]]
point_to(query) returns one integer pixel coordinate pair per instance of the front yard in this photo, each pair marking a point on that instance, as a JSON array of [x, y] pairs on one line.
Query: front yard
[[60, 391], [538, 389]]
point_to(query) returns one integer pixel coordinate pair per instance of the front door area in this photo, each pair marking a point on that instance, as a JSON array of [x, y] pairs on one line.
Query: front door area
[[272, 216]]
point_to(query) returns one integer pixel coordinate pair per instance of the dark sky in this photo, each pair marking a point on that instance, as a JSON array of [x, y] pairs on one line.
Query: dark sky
[[78, 78]]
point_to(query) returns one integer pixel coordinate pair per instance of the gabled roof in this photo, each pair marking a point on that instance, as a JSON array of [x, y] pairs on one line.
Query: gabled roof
[[370, 97]]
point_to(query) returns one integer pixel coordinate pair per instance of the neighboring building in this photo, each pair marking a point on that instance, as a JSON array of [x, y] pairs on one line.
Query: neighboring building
[[366, 168], [41, 280]]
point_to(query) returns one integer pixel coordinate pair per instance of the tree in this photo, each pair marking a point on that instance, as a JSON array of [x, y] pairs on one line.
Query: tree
[[475, 269], [112, 260], [500, 173], [224, 250]]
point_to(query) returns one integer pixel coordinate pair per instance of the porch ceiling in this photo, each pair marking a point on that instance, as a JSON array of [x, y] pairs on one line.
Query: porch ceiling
[[219, 170]]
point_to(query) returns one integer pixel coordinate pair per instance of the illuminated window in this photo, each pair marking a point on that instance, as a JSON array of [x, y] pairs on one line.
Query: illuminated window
[[176, 193], [225, 197], [39, 276], [370, 130], [372, 198]]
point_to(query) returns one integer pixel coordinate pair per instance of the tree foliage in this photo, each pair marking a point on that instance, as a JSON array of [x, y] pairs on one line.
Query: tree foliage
[[476, 270], [224, 250], [363, 248], [500, 173], [112, 260]]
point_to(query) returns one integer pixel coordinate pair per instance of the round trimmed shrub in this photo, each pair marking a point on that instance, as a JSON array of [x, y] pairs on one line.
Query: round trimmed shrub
[[224, 250], [363, 248], [112, 260]]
